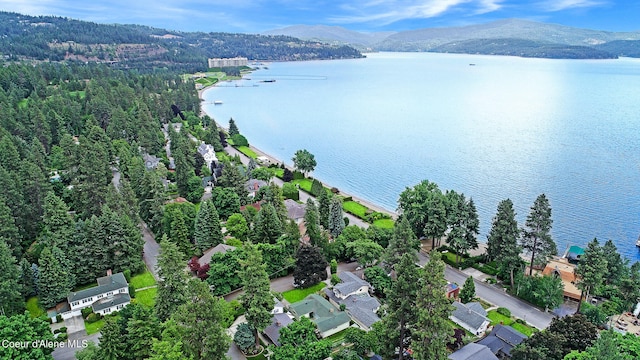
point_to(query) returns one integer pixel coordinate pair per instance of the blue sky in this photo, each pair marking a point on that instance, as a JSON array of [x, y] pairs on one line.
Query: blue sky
[[252, 16]]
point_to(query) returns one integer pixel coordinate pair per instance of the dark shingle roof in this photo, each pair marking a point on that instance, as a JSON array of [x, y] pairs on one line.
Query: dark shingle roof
[[350, 283], [502, 338], [278, 322], [107, 303], [360, 307], [325, 315], [473, 351], [467, 315], [105, 284]]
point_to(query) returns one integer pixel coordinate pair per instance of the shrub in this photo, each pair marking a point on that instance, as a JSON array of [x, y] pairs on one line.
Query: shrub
[[316, 188], [343, 307], [244, 337], [56, 331], [504, 311], [346, 221], [289, 191], [334, 266], [234, 242], [86, 311], [520, 321], [287, 175], [335, 279], [132, 291], [127, 275], [239, 140], [63, 329], [297, 175], [62, 337], [93, 317], [58, 318]]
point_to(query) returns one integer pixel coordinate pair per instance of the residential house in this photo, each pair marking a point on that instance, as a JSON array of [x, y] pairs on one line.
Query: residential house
[[470, 316], [562, 268], [452, 290], [253, 185], [279, 321], [220, 248], [111, 294], [150, 161], [295, 210], [501, 340], [208, 153], [473, 351], [328, 319], [353, 292]]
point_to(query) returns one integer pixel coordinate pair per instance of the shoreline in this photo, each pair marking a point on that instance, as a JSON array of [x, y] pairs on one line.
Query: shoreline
[[273, 159]]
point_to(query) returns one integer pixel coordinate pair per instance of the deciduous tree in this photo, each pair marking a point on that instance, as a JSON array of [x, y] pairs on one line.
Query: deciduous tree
[[424, 207], [311, 267], [23, 328], [304, 161]]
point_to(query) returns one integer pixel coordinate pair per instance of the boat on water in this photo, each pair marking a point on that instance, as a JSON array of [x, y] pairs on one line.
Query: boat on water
[[269, 81], [217, 102], [638, 241]]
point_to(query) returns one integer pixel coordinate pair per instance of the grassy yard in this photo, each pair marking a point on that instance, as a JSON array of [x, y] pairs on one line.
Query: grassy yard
[[384, 223], [355, 208], [94, 327], [80, 93], [247, 151], [142, 280], [305, 184], [34, 308], [147, 297], [525, 329], [296, 295], [499, 318]]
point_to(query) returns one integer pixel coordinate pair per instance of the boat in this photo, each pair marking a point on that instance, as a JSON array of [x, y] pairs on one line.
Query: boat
[[217, 102], [638, 241], [472, 64], [268, 81]]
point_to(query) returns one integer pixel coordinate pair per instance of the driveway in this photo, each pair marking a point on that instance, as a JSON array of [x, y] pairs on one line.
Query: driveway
[[75, 327], [71, 347], [151, 250]]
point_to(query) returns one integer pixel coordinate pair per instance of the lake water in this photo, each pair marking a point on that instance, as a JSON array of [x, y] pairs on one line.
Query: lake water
[[491, 127]]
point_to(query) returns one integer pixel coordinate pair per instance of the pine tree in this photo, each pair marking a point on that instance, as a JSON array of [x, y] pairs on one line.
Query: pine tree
[[8, 229], [433, 329], [55, 278], [402, 300], [251, 165], [112, 346], [324, 208], [27, 280], [591, 269], [402, 242], [207, 227], [536, 237], [94, 173], [468, 292], [233, 128], [173, 279], [311, 266], [336, 219], [502, 241], [257, 299], [464, 225], [142, 327], [11, 301], [267, 228], [232, 178], [312, 223], [199, 320], [180, 233]]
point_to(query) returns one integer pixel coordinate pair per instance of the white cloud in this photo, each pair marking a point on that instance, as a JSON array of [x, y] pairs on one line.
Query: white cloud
[[487, 6], [559, 5], [388, 12]]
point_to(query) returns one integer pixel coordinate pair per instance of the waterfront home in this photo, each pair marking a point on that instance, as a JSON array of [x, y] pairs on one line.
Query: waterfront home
[[562, 268]]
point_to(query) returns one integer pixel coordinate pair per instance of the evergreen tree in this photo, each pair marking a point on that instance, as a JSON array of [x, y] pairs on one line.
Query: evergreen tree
[[402, 301], [233, 128], [312, 223], [180, 233], [536, 237], [27, 280], [502, 241], [424, 207], [468, 292], [617, 267], [112, 346], [257, 299], [464, 225], [267, 228], [173, 279], [207, 227], [94, 173], [11, 301], [402, 242], [311, 266], [212, 137], [251, 165], [434, 309], [336, 219], [8, 229], [233, 179], [324, 208], [591, 269], [200, 319], [55, 278], [142, 327]]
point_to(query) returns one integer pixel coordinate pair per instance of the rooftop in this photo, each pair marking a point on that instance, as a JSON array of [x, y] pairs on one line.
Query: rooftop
[[502, 339], [325, 315], [105, 284], [473, 351], [220, 248], [109, 302], [471, 314], [278, 322]]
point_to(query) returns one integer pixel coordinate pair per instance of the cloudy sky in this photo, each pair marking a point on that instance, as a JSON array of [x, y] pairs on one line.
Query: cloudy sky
[[252, 16]]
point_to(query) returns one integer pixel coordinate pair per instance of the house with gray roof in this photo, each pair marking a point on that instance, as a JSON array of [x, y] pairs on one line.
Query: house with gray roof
[[473, 351], [150, 161], [111, 294], [220, 248], [470, 316], [253, 185], [353, 292], [295, 210], [501, 340], [328, 319], [208, 153], [279, 321]]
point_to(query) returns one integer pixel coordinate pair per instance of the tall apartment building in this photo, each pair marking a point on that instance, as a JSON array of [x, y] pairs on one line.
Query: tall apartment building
[[228, 62]]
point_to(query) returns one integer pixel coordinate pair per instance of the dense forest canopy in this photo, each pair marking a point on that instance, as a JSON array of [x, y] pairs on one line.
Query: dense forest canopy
[[145, 48]]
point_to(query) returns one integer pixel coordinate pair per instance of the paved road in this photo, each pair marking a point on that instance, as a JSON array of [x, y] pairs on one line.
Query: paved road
[[151, 250], [69, 352]]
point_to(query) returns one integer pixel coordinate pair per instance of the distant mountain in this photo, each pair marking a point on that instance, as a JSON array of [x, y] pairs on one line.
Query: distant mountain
[[332, 34], [523, 37], [49, 38]]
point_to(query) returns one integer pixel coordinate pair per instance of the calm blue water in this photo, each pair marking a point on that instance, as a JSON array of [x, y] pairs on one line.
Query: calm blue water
[[505, 128]]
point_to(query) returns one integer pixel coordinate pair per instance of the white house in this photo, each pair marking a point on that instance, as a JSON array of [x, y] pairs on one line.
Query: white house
[[351, 285], [208, 153], [353, 293], [111, 294]]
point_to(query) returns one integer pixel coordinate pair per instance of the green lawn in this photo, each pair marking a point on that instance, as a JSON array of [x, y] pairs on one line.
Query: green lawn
[[34, 308], [384, 223], [525, 329], [147, 297], [355, 208], [305, 184], [80, 93], [498, 318], [142, 280], [94, 327], [247, 151], [296, 295], [277, 172]]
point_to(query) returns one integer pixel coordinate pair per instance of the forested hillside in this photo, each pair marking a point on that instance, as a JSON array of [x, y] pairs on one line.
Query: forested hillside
[[145, 48]]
